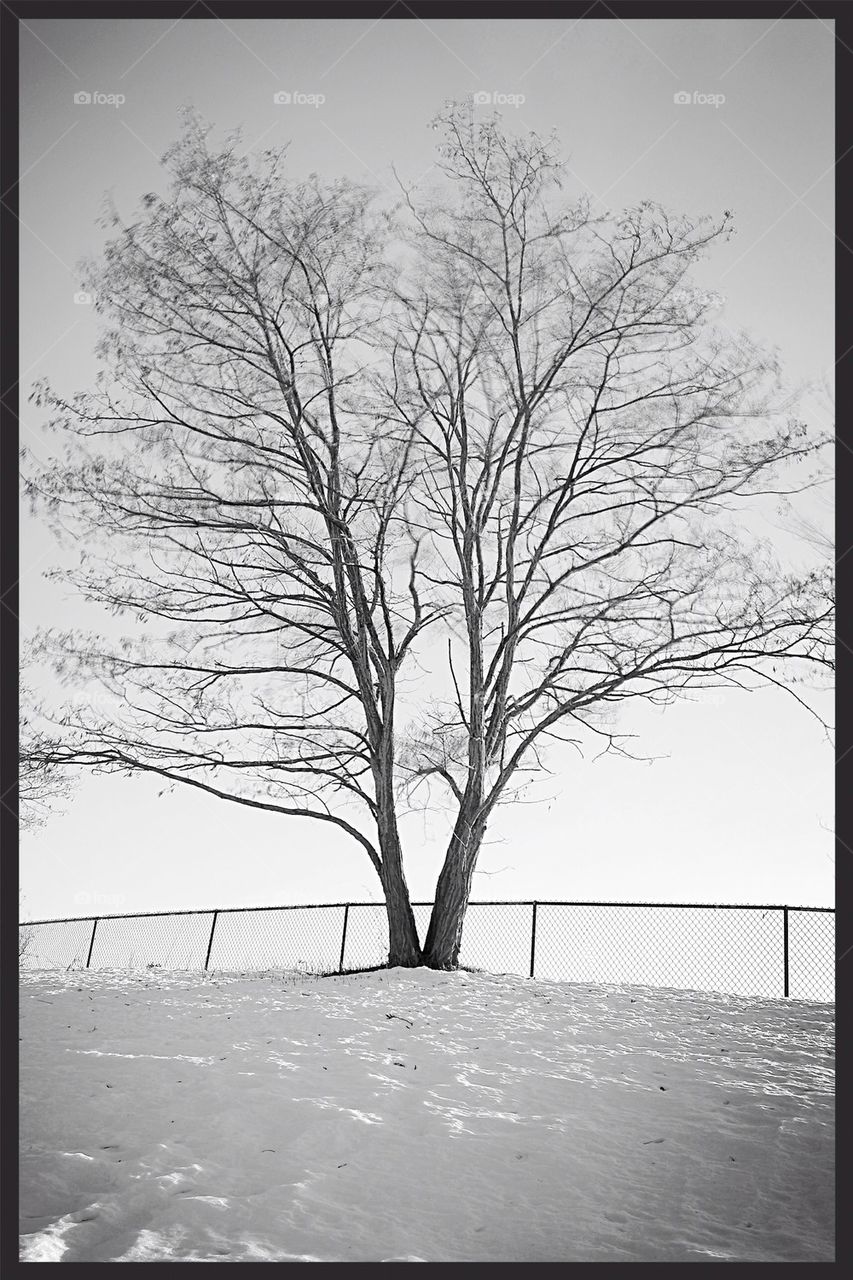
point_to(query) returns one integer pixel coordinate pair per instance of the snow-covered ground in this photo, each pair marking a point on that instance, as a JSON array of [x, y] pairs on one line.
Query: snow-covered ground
[[422, 1116]]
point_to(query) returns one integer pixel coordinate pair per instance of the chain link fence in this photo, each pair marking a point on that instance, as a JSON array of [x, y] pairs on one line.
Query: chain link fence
[[767, 951]]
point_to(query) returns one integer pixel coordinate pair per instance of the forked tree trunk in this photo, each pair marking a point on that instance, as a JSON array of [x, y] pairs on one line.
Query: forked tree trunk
[[444, 935], [452, 892]]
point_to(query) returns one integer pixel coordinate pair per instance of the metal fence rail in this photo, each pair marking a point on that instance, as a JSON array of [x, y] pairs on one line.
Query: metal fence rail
[[745, 949]]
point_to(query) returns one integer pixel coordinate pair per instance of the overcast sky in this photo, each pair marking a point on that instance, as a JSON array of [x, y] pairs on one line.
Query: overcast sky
[[739, 805]]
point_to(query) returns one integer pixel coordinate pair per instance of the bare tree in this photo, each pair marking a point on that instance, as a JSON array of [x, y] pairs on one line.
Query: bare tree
[[238, 495], [314, 440], [589, 445]]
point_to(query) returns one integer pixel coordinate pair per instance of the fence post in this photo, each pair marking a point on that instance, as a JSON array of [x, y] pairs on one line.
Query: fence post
[[533, 940], [344, 938], [210, 939], [91, 942], [785, 945]]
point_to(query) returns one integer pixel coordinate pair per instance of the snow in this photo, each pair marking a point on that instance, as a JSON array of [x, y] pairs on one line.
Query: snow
[[410, 1115]]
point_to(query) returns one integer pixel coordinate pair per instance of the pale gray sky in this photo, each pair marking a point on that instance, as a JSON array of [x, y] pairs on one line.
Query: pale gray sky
[[740, 807]]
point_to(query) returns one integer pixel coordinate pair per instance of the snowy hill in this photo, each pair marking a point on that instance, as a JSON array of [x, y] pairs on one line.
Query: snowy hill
[[423, 1116]]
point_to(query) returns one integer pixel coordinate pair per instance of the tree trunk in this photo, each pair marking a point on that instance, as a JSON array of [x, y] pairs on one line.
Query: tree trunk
[[404, 948], [444, 936], [404, 945]]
